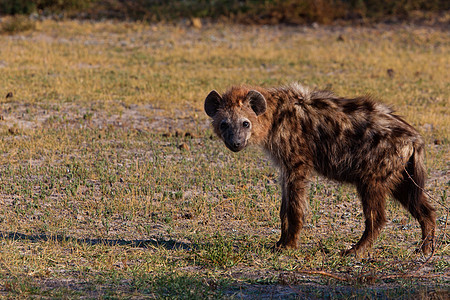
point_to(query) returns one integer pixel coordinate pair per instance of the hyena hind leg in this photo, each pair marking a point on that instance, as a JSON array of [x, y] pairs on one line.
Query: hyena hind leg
[[373, 200], [415, 201]]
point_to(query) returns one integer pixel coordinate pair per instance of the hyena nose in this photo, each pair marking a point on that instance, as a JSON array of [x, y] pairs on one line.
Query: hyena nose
[[236, 144]]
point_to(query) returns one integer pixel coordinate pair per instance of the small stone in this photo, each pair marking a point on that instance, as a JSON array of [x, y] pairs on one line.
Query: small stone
[[183, 146], [428, 127], [196, 23], [13, 131], [390, 72], [190, 135]]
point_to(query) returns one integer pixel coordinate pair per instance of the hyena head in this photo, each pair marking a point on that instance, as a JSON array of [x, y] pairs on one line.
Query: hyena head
[[235, 115]]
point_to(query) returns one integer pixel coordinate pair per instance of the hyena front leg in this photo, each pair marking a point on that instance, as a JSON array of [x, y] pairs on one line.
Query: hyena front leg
[[293, 209], [373, 198]]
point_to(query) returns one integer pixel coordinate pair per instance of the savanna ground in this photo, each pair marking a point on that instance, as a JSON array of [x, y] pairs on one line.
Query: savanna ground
[[112, 185]]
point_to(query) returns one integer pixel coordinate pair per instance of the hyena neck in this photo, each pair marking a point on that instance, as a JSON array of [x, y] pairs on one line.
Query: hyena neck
[[261, 130], [279, 126]]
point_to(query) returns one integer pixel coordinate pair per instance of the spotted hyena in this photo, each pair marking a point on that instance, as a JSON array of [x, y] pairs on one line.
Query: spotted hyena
[[356, 140]]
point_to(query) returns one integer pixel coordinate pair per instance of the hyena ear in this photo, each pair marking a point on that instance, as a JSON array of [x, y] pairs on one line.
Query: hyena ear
[[212, 103], [257, 102]]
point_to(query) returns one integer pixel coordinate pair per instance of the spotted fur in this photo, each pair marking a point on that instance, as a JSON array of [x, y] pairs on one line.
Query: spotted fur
[[354, 140]]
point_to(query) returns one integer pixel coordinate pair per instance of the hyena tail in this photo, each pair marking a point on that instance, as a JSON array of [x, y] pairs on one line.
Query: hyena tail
[[411, 194]]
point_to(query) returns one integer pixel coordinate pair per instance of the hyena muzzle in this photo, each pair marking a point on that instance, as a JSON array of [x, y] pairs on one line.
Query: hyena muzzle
[[353, 140]]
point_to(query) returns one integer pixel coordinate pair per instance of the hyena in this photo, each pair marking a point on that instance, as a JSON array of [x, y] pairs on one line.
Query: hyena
[[356, 140]]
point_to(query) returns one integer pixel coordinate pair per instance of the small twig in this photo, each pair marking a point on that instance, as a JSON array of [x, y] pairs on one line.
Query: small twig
[[397, 276], [5, 265], [446, 217], [323, 273], [423, 190], [444, 229]]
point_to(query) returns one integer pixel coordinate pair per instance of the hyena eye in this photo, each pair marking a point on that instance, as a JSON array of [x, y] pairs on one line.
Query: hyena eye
[[246, 124], [223, 125]]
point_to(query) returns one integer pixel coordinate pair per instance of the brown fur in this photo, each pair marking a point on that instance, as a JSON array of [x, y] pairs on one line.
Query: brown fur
[[356, 140]]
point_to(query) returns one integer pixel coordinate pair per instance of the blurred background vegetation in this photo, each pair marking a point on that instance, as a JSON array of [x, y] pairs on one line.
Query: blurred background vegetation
[[241, 11]]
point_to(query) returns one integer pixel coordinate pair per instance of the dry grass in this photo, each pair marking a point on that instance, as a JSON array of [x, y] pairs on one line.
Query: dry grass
[[111, 184]]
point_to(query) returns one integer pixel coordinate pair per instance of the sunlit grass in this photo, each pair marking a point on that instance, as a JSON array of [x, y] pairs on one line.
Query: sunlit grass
[[112, 183]]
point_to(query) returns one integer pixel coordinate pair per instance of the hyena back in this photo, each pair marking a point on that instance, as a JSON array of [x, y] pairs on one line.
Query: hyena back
[[356, 140]]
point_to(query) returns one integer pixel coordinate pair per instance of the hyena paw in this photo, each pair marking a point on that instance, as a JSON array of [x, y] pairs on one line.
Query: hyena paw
[[348, 252], [276, 249], [280, 246], [427, 247]]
